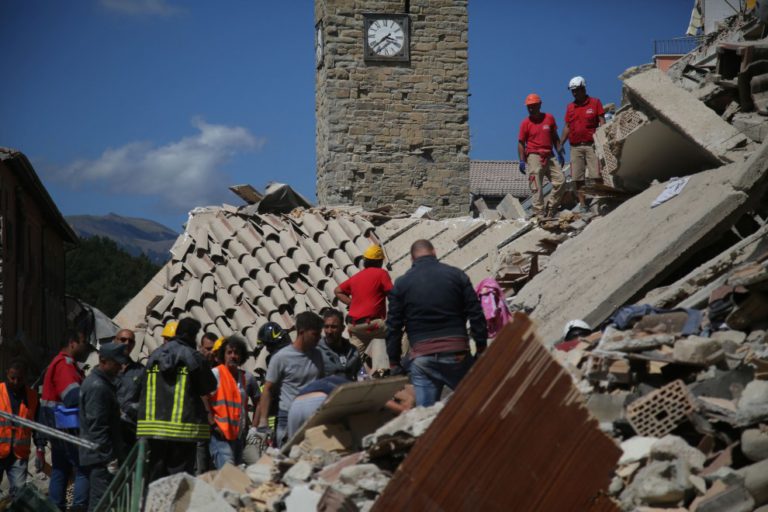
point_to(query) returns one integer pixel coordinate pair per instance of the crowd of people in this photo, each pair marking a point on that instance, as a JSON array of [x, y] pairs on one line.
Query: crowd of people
[[198, 408]]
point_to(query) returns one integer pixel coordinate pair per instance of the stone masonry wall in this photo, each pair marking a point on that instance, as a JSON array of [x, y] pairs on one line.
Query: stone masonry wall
[[394, 133]]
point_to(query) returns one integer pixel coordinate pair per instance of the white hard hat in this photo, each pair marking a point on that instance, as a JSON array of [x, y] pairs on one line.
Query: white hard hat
[[575, 324], [577, 81]]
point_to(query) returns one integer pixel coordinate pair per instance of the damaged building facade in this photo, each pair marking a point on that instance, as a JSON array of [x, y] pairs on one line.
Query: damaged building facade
[[34, 238]]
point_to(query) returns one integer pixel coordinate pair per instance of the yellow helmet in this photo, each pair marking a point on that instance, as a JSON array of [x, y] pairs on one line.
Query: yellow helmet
[[373, 252], [218, 344], [169, 331]]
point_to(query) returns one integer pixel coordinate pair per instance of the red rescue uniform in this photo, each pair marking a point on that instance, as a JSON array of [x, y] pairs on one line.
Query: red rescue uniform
[[368, 289], [537, 136], [583, 119]]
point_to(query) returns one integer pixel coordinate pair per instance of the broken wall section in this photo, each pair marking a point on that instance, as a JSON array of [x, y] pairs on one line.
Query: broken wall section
[[663, 131]]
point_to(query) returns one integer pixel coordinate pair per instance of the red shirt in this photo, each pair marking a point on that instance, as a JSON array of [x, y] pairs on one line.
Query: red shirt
[[368, 289], [583, 119], [62, 377], [537, 135]]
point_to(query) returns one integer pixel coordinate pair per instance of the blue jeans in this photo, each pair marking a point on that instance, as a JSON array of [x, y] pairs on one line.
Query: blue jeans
[[223, 451], [301, 410], [431, 372], [17, 472], [64, 461]]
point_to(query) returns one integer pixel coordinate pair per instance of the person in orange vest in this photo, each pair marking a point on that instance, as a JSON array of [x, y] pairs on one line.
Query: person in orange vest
[[228, 405], [15, 441]]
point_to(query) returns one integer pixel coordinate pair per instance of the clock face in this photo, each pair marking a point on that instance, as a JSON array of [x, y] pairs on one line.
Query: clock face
[[385, 37]]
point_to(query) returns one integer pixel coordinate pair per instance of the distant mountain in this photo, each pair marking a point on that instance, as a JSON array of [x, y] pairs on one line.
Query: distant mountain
[[134, 235]]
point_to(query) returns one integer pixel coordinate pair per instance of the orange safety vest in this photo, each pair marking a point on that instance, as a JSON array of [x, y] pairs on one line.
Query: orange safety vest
[[226, 404], [12, 435]]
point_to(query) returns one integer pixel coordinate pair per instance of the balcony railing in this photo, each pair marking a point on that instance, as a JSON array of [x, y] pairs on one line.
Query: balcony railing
[[676, 46]]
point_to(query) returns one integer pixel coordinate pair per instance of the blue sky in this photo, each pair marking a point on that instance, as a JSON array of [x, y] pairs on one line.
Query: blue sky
[[149, 108]]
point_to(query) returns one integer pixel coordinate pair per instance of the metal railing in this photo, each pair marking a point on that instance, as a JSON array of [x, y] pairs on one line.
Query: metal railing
[[676, 46], [126, 491]]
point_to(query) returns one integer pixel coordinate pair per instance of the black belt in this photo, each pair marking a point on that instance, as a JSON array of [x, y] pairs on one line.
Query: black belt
[[579, 144]]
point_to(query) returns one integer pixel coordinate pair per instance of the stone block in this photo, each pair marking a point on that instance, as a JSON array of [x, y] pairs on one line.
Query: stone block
[[755, 394], [756, 481], [733, 499], [672, 447], [636, 448], [697, 350], [182, 492], [298, 473], [754, 444], [301, 499], [659, 483]]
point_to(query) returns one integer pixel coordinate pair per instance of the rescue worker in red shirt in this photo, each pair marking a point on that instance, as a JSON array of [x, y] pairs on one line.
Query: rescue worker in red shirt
[[582, 117], [15, 441], [61, 396], [366, 295], [538, 136]]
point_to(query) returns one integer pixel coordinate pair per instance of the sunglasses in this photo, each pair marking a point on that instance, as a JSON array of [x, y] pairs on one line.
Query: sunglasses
[[126, 340]]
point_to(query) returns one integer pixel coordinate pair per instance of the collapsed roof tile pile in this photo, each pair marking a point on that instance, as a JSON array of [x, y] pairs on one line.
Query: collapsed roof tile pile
[[235, 269]]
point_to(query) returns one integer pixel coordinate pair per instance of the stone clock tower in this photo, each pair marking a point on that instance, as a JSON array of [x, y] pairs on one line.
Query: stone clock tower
[[391, 104]]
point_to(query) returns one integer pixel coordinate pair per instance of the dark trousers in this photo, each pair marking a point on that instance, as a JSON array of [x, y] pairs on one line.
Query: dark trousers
[[203, 458], [99, 479], [171, 457]]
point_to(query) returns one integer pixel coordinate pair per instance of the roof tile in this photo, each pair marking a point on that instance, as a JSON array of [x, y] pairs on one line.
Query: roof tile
[[497, 178]]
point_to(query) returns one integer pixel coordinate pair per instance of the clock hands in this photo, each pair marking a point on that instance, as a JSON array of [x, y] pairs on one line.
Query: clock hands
[[388, 39]]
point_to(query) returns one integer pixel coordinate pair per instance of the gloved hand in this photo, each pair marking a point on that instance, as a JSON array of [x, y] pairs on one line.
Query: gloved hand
[[39, 460], [264, 430], [253, 435], [561, 157], [522, 167]]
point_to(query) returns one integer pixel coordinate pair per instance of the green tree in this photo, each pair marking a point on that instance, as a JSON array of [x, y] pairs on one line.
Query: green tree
[[105, 276]]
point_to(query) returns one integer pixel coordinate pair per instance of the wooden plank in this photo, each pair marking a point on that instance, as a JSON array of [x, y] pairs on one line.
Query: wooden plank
[[516, 435]]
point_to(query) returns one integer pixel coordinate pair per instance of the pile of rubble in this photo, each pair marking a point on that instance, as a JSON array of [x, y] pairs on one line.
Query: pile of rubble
[[318, 474], [685, 391]]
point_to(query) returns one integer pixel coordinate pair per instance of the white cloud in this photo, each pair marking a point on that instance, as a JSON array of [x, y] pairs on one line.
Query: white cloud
[[139, 7], [181, 175]]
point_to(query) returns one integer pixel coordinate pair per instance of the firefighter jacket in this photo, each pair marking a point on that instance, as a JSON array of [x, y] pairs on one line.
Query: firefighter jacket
[[227, 403], [170, 406], [15, 437]]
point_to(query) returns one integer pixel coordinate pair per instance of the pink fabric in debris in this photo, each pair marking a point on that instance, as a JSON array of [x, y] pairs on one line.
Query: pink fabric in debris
[[494, 307]]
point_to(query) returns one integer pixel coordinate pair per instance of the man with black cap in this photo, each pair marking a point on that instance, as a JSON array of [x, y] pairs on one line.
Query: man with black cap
[[100, 419]]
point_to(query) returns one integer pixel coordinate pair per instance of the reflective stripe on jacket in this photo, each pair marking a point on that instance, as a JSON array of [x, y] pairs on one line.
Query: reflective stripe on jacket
[[15, 436], [168, 411], [226, 404]]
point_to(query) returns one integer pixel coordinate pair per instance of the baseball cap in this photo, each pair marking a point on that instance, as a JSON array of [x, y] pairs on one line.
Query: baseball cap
[[576, 82], [114, 351]]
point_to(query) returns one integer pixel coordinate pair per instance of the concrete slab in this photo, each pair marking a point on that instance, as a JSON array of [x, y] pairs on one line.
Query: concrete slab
[[681, 110], [625, 253], [348, 400]]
